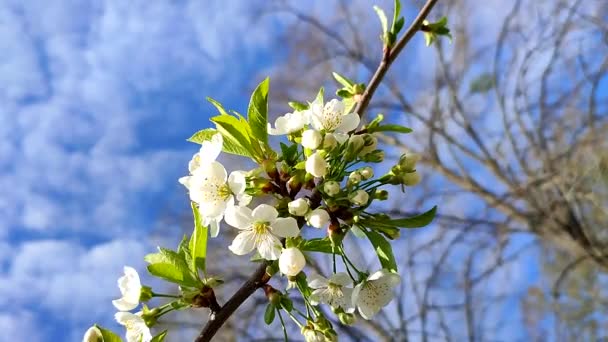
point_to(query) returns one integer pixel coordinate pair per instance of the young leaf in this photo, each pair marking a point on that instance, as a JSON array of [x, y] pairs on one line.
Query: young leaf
[[343, 80], [343, 93], [286, 303], [269, 314], [394, 27], [218, 106], [198, 242], [236, 135], [322, 245], [108, 335], [383, 21], [390, 128], [202, 135], [171, 266], [416, 221], [383, 250], [160, 337], [257, 113], [299, 106], [319, 98], [183, 249]]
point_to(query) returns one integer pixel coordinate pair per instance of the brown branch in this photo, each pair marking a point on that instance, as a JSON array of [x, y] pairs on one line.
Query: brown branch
[[259, 277], [390, 55]]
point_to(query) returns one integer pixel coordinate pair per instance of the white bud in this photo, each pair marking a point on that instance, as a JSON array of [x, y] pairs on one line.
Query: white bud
[[311, 139], [329, 142], [331, 188], [359, 197], [408, 162], [298, 207], [318, 218], [366, 172], [411, 178], [354, 178], [291, 261], [316, 165], [370, 145], [356, 142], [92, 335]]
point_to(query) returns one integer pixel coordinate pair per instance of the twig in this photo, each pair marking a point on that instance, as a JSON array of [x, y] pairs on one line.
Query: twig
[[390, 55], [259, 277]]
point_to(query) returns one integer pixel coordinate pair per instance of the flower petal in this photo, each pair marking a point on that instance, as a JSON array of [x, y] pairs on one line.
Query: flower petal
[[214, 228], [341, 279], [320, 296], [124, 317], [265, 213], [124, 305], [269, 247], [243, 243], [349, 123], [239, 217], [211, 149], [237, 182], [285, 227], [185, 181], [317, 281]]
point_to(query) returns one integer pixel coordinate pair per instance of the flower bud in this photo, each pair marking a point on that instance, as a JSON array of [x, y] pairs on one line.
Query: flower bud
[[355, 144], [93, 334], [370, 145], [347, 318], [291, 261], [354, 178], [359, 197], [331, 188], [311, 139], [408, 162], [318, 218], [312, 335], [381, 195], [316, 165], [298, 207], [329, 142], [411, 178], [330, 335], [376, 156], [366, 172]]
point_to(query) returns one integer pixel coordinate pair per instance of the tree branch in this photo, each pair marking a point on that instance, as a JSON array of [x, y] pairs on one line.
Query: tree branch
[[259, 277], [390, 55]]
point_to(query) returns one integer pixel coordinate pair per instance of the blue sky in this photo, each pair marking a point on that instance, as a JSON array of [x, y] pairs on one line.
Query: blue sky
[[96, 102]]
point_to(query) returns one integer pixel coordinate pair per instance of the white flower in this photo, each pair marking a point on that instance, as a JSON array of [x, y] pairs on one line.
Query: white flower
[[316, 165], [359, 197], [137, 330], [92, 335], [298, 207], [130, 288], [311, 139], [312, 335], [332, 291], [318, 218], [209, 151], [261, 229], [375, 292], [289, 123], [331, 188], [291, 261], [331, 117]]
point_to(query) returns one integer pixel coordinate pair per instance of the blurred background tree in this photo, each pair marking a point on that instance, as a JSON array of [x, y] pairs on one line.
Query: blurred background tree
[[511, 121]]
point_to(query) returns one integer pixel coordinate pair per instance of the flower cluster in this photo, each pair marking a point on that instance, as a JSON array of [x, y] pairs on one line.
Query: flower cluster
[[322, 180]]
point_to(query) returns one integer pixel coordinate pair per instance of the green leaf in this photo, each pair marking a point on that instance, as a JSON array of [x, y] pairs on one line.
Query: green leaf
[[269, 314], [184, 250], [160, 337], [202, 135], [416, 221], [257, 113], [383, 250], [108, 335], [322, 245], [171, 266], [299, 106], [236, 135], [286, 303], [343, 93], [383, 20], [390, 128], [482, 84], [289, 153], [198, 242], [398, 25], [394, 28], [343, 80], [218, 105]]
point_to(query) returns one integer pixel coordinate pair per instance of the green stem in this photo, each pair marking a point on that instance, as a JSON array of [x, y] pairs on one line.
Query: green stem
[[283, 325], [164, 295]]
